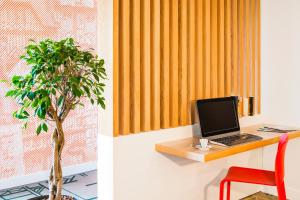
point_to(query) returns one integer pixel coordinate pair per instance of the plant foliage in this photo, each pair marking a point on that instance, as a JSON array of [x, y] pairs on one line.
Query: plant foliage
[[62, 75]]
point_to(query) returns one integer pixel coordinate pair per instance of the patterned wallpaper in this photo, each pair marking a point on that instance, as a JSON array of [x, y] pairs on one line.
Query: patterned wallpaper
[[21, 151]]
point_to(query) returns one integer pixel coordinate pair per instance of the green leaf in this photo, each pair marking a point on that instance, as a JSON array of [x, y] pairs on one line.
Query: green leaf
[[41, 113], [87, 90], [16, 78], [25, 113], [96, 77], [21, 114], [53, 91], [35, 103], [92, 101], [76, 91], [81, 104], [101, 62], [11, 93], [24, 95], [39, 129], [75, 80], [45, 127], [60, 101], [101, 102], [31, 95]]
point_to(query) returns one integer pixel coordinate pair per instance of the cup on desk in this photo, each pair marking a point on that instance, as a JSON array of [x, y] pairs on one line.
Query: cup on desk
[[203, 143]]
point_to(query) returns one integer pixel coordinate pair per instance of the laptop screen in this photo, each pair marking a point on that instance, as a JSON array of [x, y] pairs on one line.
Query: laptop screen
[[218, 116]]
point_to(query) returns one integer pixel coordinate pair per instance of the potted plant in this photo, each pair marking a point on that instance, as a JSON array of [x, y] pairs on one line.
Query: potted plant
[[62, 77]]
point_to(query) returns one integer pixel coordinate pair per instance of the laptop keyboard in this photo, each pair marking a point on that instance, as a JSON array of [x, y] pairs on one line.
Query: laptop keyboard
[[237, 139]]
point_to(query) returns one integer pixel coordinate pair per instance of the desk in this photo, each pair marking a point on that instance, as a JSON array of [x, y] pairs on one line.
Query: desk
[[183, 148]]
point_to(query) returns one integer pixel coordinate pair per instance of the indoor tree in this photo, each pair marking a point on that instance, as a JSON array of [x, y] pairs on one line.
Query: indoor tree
[[62, 77]]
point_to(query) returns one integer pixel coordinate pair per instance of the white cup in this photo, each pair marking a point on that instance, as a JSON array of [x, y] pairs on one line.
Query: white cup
[[203, 143]]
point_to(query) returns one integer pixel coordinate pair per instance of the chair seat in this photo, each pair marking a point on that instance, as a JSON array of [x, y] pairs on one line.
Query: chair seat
[[248, 175]]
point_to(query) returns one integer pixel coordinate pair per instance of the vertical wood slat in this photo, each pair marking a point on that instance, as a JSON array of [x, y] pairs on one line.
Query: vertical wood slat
[[136, 63], [247, 48], [199, 49], [253, 54], [146, 66], [174, 111], [228, 48], [155, 69], [125, 107], [183, 102], [214, 48], [235, 47], [165, 65], [167, 53], [191, 57], [241, 56], [116, 68], [207, 71], [221, 49], [253, 49]]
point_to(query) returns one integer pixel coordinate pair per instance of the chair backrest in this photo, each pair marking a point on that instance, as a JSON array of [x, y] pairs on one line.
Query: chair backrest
[[279, 163]]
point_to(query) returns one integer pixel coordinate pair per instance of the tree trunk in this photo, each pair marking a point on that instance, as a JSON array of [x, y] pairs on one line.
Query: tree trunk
[[56, 176]]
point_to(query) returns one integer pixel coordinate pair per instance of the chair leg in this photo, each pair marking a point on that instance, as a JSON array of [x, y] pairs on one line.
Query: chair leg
[[228, 190], [222, 189], [281, 191]]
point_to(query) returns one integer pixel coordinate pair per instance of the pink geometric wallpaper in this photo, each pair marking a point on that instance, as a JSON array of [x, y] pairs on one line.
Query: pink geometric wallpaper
[[21, 151]]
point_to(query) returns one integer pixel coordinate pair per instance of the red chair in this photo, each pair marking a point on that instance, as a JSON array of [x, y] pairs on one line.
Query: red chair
[[257, 176]]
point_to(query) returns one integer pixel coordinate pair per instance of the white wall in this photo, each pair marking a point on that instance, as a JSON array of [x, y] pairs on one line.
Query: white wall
[[105, 139], [142, 173], [280, 54]]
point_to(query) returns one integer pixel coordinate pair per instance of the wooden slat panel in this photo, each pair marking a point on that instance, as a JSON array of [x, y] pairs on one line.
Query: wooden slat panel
[[207, 85], [174, 111], [228, 48], [165, 67], [221, 48], [116, 68], [125, 67], [167, 53], [214, 48], [136, 63], [191, 57], [247, 48], [199, 49], [155, 66], [235, 46], [183, 102], [146, 66]]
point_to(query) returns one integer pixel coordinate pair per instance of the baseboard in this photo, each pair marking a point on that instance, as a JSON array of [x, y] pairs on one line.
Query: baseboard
[[291, 193], [43, 175]]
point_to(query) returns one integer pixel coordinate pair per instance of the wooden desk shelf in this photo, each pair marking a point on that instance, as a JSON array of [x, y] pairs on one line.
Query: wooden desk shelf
[[183, 148]]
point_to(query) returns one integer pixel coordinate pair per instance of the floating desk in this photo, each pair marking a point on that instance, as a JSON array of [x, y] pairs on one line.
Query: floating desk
[[183, 148]]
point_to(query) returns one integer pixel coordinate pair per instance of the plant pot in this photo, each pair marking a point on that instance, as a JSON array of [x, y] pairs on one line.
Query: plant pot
[[46, 197]]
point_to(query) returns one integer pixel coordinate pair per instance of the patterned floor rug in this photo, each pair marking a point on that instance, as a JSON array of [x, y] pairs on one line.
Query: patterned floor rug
[[81, 186], [260, 196]]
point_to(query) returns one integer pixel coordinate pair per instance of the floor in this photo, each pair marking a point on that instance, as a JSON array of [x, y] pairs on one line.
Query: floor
[[81, 186], [260, 196]]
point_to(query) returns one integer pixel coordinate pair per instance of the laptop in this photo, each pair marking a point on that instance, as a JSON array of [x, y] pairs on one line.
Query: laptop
[[219, 122]]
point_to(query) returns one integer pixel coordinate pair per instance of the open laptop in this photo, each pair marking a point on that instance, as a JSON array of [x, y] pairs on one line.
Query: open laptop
[[219, 122]]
